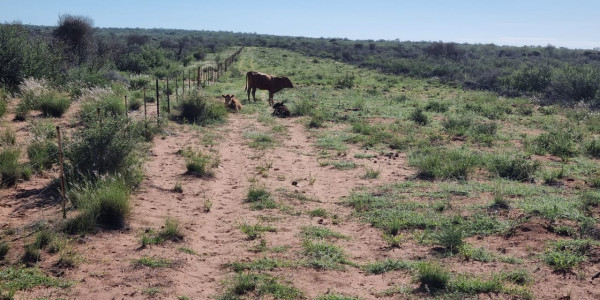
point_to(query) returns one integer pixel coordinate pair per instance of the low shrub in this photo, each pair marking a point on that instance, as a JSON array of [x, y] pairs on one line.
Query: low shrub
[[513, 167], [104, 204], [199, 109], [10, 169], [52, 104], [419, 117], [42, 154], [432, 276], [439, 163]]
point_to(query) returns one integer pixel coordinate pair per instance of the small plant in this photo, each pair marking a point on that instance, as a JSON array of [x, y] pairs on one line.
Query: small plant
[[518, 276], [259, 197], [178, 188], [564, 255], [32, 254], [419, 117], [198, 163], [451, 237], [255, 231], [169, 232], [10, 169], [393, 240], [500, 202], [207, 205], [4, 247], [261, 286], [514, 168], [318, 212], [468, 252], [8, 137], [197, 108], [260, 140], [432, 276], [324, 255], [53, 104], [387, 265], [318, 232], [434, 163], [152, 262], [371, 174], [42, 154], [134, 104]]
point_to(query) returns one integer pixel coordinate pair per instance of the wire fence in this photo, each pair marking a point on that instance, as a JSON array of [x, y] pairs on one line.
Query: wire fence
[[205, 75]]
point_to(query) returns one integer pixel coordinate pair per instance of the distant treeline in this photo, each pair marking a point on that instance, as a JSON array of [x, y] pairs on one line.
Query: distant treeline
[[548, 73]]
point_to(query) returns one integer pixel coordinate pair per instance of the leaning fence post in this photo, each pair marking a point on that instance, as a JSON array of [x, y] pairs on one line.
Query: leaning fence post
[[62, 174], [126, 106]]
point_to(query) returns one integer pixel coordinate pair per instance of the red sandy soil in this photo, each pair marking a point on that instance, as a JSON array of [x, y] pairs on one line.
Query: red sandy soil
[[107, 272]]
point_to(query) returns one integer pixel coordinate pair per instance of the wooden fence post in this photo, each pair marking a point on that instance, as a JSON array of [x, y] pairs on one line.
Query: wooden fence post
[[183, 84], [176, 95], [168, 97], [145, 113], [189, 82], [62, 174], [157, 103], [198, 79], [98, 113], [126, 106]]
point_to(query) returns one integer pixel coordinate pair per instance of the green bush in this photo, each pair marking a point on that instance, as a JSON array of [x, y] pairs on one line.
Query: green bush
[[42, 154], [437, 106], [432, 276], [560, 142], [513, 167], [4, 247], [10, 169], [199, 109], [53, 104], [458, 125], [439, 163], [198, 163], [102, 148], [593, 148], [104, 203], [419, 117], [303, 107], [451, 237]]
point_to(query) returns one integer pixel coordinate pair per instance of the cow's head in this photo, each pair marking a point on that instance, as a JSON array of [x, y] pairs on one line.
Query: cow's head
[[287, 83], [227, 98]]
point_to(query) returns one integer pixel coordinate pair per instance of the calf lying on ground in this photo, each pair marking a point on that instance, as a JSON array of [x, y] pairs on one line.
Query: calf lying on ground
[[232, 103], [280, 110]]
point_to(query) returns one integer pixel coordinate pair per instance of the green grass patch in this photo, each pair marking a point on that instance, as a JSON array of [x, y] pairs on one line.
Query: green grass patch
[[260, 140], [255, 231], [13, 278], [260, 198], [319, 232], [388, 265], [169, 232], [152, 262], [324, 256], [261, 264], [440, 163], [564, 255], [261, 286]]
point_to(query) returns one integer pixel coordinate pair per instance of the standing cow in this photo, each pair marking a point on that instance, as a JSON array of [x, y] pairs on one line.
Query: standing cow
[[268, 82]]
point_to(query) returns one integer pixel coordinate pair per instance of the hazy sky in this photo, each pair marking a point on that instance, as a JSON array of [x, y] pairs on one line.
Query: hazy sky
[[568, 23]]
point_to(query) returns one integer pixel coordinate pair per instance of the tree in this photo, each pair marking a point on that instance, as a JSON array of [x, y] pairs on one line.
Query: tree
[[76, 35]]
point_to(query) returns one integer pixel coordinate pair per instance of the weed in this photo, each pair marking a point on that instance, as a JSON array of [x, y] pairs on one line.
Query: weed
[[169, 232], [152, 291], [517, 276], [10, 169], [318, 212], [152, 262], [4, 247], [199, 164], [564, 255], [473, 285], [324, 256], [262, 264], [387, 265], [259, 197], [451, 237], [52, 104], [336, 297], [481, 254], [8, 137], [255, 231], [432, 276], [318, 232], [513, 167], [187, 250], [258, 285], [14, 278], [393, 240], [178, 188], [42, 154], [198, 109], [371, 174], [434, 163], [419, 117], [260, 141]]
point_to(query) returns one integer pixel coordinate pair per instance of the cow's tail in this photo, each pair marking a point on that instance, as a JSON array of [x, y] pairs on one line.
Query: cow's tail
[[246, 87]]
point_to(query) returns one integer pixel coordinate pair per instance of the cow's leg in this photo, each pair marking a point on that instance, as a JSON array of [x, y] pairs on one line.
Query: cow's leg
[[253, 95], [270, 98], [249, 94]]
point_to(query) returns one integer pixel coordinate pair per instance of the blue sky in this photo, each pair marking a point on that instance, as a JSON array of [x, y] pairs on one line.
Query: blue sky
[[569, 23]]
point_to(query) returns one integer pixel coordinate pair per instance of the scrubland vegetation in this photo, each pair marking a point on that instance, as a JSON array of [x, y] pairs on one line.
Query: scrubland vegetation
[[501, 143]]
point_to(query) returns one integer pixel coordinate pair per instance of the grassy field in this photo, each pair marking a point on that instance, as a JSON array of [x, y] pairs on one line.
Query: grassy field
[[494, 196]]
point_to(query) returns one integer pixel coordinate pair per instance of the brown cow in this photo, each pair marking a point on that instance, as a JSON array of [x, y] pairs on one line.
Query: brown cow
[[232, 103], [268, 82]]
